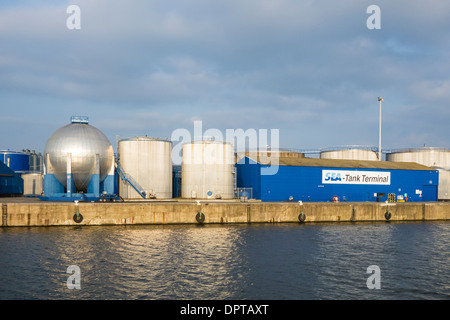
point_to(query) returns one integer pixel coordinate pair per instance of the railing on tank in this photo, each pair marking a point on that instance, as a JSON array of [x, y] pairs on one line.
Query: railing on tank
[[79, 119], [421, 149], [350, 147]]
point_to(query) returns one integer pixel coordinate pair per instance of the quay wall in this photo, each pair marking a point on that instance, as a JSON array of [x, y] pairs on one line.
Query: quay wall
[[133, 213]]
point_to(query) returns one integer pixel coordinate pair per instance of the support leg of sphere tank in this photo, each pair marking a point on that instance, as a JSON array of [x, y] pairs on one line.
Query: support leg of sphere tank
[[84, 197]]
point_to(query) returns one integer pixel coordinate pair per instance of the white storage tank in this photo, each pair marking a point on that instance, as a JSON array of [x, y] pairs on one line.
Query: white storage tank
[[350, 153], [438, 158], [444, 184], [207, 170], [149, 162], [431, 157], [33, 184]]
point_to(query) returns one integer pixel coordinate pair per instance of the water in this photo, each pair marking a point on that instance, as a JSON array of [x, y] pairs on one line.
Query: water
[[228, 262]]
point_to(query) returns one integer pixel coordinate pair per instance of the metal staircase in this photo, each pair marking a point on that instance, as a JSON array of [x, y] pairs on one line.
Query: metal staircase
[[128, 180]]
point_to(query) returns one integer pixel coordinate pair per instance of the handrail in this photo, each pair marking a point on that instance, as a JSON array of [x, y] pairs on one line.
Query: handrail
[[125, 177]]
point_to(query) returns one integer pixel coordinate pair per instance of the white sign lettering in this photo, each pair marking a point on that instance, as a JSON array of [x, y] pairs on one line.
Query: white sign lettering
[[356, 177]]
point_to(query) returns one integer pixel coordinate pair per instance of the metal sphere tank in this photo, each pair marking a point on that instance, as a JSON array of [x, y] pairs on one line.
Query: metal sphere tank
[[83, 142]]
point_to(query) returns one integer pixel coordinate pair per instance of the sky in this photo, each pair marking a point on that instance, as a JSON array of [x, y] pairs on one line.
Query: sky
[[311, 69]]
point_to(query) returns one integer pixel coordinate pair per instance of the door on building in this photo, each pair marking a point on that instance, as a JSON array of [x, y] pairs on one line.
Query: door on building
[[429, 193]]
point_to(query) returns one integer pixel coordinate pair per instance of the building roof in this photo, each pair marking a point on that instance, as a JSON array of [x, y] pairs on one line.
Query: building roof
[[335, 163], [5, 171]]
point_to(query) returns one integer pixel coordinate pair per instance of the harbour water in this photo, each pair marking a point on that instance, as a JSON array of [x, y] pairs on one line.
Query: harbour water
[[227, 262]]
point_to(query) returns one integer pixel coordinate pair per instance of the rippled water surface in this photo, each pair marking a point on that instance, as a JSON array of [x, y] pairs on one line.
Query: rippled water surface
[[249, 261]]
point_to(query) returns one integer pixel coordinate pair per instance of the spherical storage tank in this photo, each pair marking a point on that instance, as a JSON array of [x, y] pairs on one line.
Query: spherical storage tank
[[149, 162], [84, 146], [207, 170]]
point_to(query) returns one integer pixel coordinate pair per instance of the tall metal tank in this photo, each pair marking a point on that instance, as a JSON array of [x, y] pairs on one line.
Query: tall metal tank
[[444, 184], [349, 153], [33, 183], [149, 162], [431, 157], [35, 161], [438, 158], [17, 161], [207, 170], [81, 149]]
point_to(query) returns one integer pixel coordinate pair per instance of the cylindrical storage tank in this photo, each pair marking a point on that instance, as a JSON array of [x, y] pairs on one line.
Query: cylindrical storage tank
[[207, 170], [350, 153], [78, 147], [16, 160], [438, 158], [281, 153], [149, 162], [287, 154], [444, 184], [431, 157], [35, 162], [33, 183]]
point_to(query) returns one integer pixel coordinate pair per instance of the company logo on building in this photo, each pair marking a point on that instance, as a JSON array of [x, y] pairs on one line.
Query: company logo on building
[[356, 177]]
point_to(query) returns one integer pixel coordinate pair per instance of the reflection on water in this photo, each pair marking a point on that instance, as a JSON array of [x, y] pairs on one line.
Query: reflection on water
[[257, 261]]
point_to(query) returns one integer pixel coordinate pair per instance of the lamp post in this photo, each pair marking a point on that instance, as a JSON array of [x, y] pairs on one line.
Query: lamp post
[[380, 156]]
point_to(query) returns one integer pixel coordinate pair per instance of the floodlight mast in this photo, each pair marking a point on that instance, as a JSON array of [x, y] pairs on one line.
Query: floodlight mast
[[380, 156]]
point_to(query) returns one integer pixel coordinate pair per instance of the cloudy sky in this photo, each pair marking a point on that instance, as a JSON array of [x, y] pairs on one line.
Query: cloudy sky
[[312, 69]]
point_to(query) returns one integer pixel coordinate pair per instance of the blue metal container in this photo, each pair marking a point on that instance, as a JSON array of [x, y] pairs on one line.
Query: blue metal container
[[16, 160]]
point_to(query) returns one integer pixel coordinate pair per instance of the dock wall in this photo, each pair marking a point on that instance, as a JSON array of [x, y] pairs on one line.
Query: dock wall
[[62, 214]]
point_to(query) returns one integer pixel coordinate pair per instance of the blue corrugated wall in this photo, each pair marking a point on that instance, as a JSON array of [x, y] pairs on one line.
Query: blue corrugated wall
[[11, 184], [176, 181], [249, 176], [305, 184]]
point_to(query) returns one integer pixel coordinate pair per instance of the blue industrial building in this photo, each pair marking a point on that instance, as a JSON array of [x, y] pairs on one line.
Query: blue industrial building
[[176, 181], [11, 184], [309, 179]]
